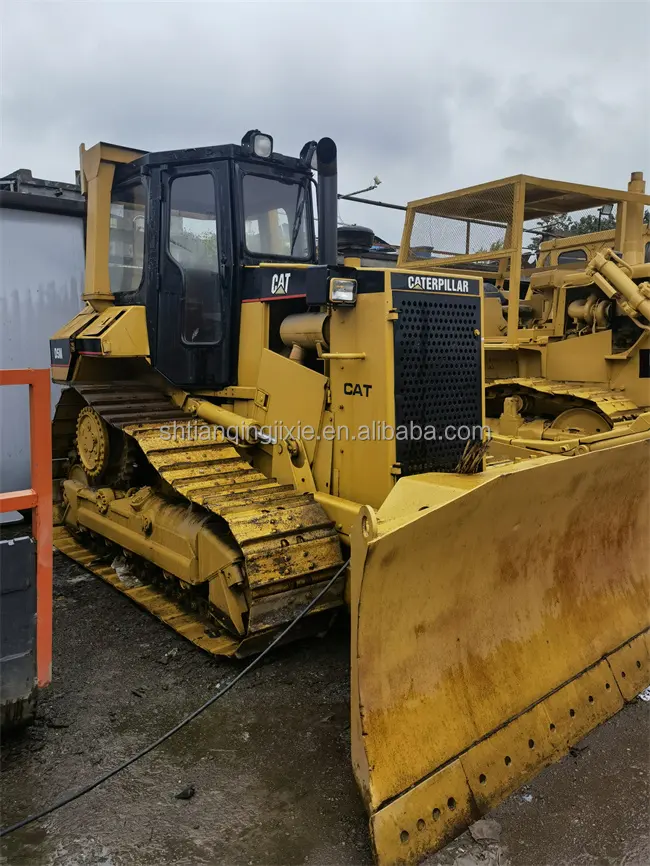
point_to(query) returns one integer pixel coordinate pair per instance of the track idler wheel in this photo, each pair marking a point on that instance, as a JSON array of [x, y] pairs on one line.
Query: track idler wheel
[[581, 421]]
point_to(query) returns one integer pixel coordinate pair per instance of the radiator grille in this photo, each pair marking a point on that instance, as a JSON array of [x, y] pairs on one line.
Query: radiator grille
[[438, 382]]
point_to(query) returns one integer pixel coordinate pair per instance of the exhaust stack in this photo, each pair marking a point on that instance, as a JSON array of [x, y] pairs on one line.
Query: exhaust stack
[[327, 201], [631, 227]]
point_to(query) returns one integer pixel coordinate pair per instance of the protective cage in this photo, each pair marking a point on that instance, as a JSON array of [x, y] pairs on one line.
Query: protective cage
[[490, 229]]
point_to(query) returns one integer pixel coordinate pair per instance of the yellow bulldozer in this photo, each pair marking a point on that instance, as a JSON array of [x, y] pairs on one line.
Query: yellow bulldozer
[[249, 409], [567, 339]]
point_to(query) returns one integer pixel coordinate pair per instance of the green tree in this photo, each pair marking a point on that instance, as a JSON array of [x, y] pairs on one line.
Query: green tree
[[494, 247], [564, 225]]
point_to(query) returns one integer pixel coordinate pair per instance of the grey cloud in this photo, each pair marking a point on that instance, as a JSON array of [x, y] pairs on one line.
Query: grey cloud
[[543, 118], [429, 96]]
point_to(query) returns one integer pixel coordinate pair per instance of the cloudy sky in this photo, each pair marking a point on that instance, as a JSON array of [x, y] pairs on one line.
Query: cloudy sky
[[429, 96]]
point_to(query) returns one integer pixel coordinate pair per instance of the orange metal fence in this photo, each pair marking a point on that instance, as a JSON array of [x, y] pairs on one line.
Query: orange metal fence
[[39, 498]]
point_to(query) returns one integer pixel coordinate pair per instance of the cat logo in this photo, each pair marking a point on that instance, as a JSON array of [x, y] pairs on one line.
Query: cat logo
[[357, 390], [280, 284]]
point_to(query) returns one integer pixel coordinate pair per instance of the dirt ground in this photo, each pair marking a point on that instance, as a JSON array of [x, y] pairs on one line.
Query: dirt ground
[[269, 762]]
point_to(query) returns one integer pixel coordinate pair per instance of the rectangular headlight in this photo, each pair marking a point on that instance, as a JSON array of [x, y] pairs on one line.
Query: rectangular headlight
[[343, 291]]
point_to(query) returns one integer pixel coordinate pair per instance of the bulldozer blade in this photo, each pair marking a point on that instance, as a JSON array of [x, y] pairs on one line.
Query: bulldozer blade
[[496, 619]]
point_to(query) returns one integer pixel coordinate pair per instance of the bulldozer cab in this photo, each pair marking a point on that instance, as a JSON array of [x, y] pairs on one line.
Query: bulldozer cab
[[183, 227]]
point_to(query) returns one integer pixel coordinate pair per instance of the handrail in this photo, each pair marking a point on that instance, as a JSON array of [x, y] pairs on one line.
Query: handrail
[[38, 497]]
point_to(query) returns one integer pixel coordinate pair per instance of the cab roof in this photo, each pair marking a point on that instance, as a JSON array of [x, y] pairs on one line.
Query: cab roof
[[193, 155]]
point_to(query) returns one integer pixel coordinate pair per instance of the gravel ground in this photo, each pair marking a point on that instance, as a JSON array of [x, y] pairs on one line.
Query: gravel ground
[[269, 763]]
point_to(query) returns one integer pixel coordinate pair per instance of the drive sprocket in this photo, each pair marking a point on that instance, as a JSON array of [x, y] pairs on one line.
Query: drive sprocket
[[92, 442]]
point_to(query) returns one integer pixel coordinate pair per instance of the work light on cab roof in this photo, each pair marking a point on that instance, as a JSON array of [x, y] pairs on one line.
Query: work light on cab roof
[[258, 143]]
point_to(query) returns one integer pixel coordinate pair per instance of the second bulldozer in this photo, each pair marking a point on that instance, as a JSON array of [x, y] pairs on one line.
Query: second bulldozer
[[567, 340], [246, 412]]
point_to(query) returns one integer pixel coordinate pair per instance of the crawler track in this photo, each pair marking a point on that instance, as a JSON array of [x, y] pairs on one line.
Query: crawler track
[[287, 542], [546, 397]]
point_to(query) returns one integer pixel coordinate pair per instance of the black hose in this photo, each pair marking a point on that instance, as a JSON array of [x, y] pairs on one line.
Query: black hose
[[69, 798]]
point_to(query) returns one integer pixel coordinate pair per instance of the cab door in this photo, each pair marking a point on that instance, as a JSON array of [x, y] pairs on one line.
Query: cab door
[[194, 332]]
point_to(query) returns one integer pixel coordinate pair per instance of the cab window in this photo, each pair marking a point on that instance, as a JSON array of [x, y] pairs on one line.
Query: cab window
[[275, 216], [126, 238], [193, 246], [571, 256]]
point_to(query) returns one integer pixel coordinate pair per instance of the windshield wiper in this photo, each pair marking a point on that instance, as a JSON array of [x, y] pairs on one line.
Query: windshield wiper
[[300, 207]]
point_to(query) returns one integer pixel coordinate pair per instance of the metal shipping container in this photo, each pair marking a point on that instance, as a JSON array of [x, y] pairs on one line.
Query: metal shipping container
[[41, 281]]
